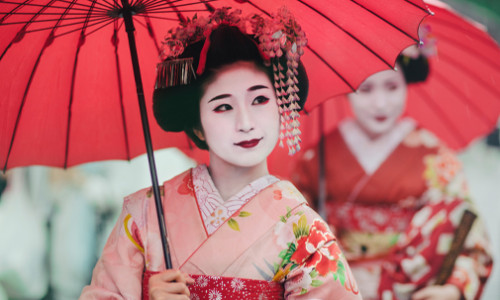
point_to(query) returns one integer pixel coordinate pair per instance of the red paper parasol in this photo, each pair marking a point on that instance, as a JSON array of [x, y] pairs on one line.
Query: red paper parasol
[[70, 92]]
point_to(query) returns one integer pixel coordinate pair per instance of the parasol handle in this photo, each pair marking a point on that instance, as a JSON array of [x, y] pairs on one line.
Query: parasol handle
[[456, 247], [129, 27]]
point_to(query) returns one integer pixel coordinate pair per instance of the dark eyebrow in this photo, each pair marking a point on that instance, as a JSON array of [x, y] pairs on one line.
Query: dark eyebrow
[[250, 89], [219, 97], [257, 87]]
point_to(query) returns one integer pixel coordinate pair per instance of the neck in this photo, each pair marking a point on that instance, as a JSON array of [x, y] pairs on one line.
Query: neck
[[230, 179]]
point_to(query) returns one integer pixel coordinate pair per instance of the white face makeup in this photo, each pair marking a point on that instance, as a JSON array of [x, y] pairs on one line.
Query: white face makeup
[[239, 116], [379, 102]]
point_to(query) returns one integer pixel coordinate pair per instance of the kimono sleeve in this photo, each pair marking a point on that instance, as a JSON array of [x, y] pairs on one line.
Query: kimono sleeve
[[474, 265], [118, 272], [420, 252], [314, 265], [447, 184]]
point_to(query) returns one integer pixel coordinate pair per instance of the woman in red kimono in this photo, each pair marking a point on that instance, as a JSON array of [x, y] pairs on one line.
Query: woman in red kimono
[[395, 195], [234, 230]]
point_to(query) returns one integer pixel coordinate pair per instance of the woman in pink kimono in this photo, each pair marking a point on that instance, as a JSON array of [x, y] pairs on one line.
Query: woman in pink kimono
[[234, 230], [395, 195]]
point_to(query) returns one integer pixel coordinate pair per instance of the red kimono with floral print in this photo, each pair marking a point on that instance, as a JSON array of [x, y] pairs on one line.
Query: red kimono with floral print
[[396, 224]]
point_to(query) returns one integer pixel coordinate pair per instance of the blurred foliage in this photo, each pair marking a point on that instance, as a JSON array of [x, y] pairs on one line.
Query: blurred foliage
[[492, 5], [486, 12]]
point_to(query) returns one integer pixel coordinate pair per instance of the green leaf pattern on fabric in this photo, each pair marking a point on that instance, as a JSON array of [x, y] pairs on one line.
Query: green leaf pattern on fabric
[[233, 224]]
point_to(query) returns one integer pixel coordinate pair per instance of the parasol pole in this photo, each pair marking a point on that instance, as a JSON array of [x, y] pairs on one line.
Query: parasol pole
[[321, 165], [129, 27]]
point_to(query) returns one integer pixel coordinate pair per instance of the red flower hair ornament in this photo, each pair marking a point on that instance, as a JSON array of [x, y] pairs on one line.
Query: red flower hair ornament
[[279, 36]]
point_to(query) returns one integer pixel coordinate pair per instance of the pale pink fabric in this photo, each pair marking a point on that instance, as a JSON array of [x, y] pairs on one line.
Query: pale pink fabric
[[274, 236]]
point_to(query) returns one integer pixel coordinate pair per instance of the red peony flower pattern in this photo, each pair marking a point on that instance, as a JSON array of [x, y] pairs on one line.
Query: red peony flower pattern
[[319, 249]]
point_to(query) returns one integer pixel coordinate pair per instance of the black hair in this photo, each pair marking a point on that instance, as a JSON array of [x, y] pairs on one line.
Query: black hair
[[178, 108], [414, 69]]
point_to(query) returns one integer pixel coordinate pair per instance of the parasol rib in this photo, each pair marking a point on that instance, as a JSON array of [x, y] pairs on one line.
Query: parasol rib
[[51, 6], [169, 3], [22, 31], [162, 18], [48, 41], [52, 20], [465, 30], [469, 104], [469, 48], [389, 23], [152, 6], [152, 34], [23, 102], [13, 11], [93, 23], [442, 116], [313, 51], [50, 14], [94, 29], [80, 43], [348, 33], [478, 79], [417, 6], [105, 7], [332, 68], [115, 42], [162, 10], [113, 5]]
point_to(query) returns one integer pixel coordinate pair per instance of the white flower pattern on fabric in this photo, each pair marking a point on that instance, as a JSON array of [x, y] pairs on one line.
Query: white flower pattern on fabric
[[194, 297], [214, 210], [202, 281], [218, 216], [237, 284], [284, 233], [214, 295]]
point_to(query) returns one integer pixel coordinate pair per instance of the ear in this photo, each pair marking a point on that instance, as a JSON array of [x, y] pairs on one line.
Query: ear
[[199, 134]]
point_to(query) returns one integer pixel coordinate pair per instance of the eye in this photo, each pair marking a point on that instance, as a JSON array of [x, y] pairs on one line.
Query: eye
[[365, 88], [222, 108], [260, 100], [392, 86]]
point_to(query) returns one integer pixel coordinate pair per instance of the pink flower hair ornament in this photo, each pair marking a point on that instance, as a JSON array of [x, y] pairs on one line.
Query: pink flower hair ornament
[[426, 46]]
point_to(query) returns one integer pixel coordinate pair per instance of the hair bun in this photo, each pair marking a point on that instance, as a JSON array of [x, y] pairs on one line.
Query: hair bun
[[414, 69]]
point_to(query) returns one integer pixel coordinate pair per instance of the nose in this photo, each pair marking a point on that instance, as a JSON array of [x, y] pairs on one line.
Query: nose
[[379, 100], [244, 121]]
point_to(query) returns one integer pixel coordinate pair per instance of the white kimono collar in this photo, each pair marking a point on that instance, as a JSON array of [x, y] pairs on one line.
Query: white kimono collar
[[214, 210]]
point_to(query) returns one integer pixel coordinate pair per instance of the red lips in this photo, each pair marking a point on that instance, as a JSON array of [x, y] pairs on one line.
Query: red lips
[[249, 144], [381, 118]]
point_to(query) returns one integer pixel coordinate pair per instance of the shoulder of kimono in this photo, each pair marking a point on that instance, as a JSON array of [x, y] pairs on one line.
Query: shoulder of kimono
[[147, 193], [289, 191]]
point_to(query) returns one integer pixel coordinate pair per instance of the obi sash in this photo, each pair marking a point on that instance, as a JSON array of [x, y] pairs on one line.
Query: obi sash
[[217, 287]]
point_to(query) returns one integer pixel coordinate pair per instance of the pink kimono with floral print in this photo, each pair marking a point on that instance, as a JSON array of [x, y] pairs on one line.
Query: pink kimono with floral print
[[395, 225], [265, 232]]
